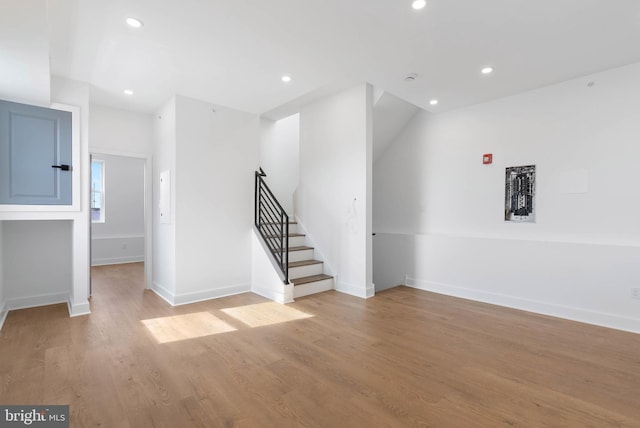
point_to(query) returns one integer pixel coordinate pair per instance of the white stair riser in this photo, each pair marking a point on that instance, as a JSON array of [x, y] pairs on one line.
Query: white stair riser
[[298, 256], [302, 271], [296, 241], [312, 288], [293, 228]]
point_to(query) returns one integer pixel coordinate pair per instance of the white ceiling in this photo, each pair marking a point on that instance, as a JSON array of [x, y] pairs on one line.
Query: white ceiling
[[233, 52]]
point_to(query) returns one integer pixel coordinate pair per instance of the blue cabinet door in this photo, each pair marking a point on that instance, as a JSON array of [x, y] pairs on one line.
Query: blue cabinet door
[[35, 155]]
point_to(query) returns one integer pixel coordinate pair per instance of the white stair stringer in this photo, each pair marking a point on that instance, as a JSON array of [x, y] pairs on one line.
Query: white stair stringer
[[267, 279]]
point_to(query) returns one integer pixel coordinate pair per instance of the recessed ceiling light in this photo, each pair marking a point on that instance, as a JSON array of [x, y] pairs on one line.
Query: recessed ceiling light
[[286, 79], [410, 77], [487, 70], [128, 92], [419, 4], [134, 22], [433, 102]]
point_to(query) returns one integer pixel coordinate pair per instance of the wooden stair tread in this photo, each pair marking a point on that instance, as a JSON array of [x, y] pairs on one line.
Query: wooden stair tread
[[291, 222], [304, 263], [291, 235], [300, 248], [308, 279]]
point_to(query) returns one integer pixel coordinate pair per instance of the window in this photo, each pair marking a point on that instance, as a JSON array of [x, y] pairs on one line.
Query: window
[[97, 191]]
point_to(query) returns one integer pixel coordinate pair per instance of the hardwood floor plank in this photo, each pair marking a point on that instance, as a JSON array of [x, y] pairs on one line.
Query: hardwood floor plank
[[405, 358]]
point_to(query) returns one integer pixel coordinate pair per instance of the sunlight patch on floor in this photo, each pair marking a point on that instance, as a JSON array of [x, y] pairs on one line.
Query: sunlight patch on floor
[[268, 313], [188, 326]]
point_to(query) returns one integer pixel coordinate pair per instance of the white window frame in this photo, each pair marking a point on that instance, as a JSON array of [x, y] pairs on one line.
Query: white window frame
[[100, 192]]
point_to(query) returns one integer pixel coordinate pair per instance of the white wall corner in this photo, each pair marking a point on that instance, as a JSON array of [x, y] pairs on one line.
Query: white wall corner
[[544, 308], [355, 290], [165, 294], [148, 222], [3, 313], [371, 290], [78, 299]]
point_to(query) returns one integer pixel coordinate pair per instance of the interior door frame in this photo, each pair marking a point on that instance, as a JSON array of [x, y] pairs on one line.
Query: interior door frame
[[148, 210]]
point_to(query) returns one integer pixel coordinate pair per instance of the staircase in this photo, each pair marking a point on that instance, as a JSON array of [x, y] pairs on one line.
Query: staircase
[[305, 272], [287, 246]]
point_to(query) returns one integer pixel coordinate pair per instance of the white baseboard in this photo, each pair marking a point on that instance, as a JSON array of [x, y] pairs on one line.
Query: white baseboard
[[544, 308], [43, 300], [77, 309], [353, 290], [163, 293], [388, 287], [35, 301], [117, 260], [199, 296], [283, 295], [3, 313], [371, 291]]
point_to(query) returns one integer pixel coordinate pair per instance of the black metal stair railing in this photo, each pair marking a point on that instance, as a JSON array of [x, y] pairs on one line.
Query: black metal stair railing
[[272, 222]]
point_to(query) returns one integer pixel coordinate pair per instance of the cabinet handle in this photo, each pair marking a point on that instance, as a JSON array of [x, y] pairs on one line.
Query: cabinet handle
[[62, 167]]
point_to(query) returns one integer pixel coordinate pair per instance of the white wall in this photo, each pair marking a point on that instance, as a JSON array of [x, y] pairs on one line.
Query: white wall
[[120, 131], [164, 242], [333, 200], [120, 239], [216, 156], [37, 262], [437, 204], [76, 94], [279, 157]]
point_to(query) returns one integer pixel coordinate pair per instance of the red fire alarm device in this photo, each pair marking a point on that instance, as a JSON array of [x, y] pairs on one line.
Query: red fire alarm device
[[487, 158]]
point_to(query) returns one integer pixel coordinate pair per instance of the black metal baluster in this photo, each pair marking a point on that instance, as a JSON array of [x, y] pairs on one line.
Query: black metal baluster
[[272, 222]]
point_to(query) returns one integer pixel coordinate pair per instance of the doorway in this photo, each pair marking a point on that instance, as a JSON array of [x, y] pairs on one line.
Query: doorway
[[120, 210]]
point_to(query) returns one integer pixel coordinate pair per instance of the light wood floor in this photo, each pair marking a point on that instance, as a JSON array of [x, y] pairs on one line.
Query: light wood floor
[[403, 358]]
